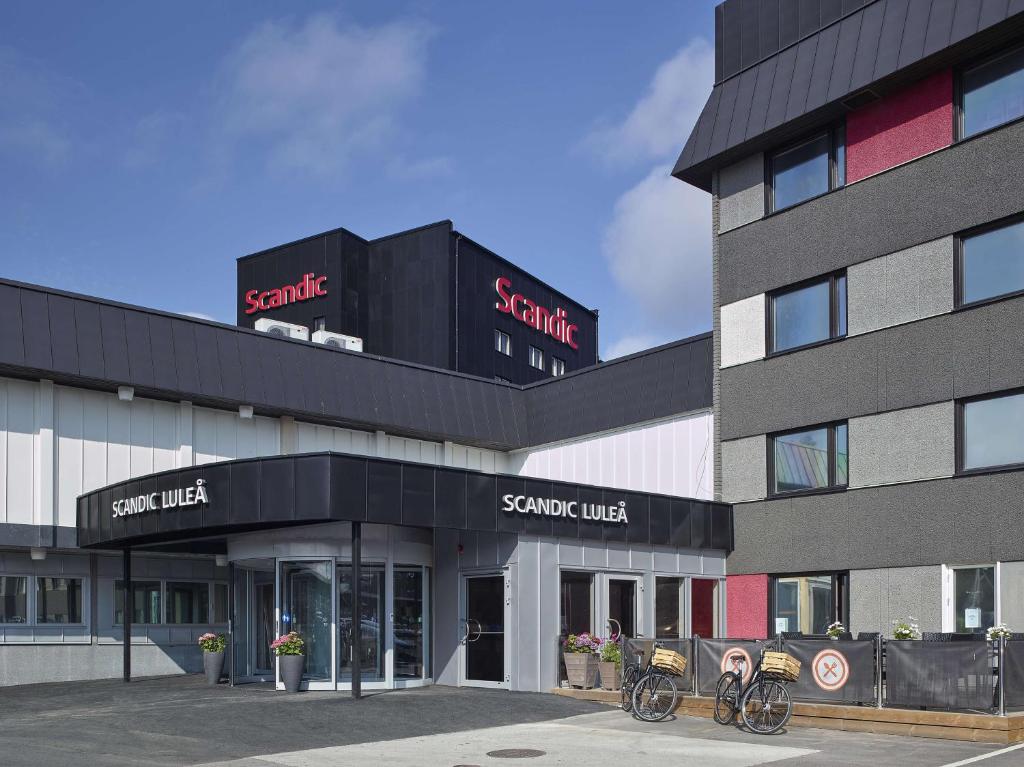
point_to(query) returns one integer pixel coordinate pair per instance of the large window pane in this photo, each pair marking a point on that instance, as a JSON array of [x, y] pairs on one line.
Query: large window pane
[[220, 603], [993, 93], [146, 602], [58, 600], [306, 602], [993, 263], [842, 455], [410, 659], [801, 317], [974, 598], [188, 602], [801, 172], [804, 604], [801, 460], [994, 432], [577, 603], [666, 607], [13, 599], [371, 619]]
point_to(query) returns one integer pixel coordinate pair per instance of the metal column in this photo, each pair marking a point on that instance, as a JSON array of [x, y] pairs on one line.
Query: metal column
[[128, 612], [1001, 679], [879, 649], [357, 598], [231, 624]]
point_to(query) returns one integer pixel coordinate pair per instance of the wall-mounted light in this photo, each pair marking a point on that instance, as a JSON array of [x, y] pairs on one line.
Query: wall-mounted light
[[245, 411], [37, 554], [126, 393], [221, 560]]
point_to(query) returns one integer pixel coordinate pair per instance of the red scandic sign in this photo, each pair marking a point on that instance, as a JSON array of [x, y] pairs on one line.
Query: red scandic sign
[[830, 670], [741, 666], [310, 286], [553, 323]]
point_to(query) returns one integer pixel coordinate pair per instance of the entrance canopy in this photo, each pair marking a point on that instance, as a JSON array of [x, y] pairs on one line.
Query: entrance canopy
[[265, 493]]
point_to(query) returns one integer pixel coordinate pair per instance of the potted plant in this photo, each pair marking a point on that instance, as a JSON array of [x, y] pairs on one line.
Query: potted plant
[[291, 655], [835, 630], [611, 661], [1000, 631], [580, 659], [213, 656], [906, 628]]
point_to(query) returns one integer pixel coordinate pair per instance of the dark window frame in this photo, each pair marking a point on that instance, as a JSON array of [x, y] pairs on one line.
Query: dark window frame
[[958, 263], [833, 311], [958, 441], [840, 595], [958, 90], [836, 134], [500, 335], [536, 351], [832, 486]]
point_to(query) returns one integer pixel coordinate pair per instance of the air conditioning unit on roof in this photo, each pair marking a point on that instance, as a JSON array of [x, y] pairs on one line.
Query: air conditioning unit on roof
[[338, 341], [282, 329]]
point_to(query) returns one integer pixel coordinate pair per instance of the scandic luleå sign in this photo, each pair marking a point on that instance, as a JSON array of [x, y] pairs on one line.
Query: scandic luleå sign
[[552, 323], [310, 286], [614, 513]]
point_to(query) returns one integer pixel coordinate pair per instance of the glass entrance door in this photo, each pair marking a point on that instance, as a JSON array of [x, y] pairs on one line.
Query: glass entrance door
[[371, 619], [622, 601], [307, 606], [484, 631], [253, 621]]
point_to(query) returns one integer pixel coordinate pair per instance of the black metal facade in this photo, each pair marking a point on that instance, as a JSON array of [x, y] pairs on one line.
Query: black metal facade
[[425, 296]]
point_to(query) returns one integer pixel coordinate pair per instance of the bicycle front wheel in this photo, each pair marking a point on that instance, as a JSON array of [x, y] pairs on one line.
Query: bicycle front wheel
[[629, 676], [654, 697], [727, 694], [766, 707]]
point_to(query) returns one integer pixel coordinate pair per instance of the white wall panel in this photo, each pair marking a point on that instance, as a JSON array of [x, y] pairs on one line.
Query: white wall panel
[[220, 435], [671, 457]]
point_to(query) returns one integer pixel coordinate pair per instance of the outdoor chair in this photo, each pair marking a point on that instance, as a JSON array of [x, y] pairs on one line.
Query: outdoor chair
[[791, 634], [872, 635], [935, 636]]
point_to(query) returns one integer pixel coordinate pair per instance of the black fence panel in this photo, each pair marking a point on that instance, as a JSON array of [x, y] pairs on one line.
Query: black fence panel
[[714, 656], [841, 671], [1013, 673], [956, 675], [644, 647]]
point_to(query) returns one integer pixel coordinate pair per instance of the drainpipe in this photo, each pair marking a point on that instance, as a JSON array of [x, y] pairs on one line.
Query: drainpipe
[[129, 611]]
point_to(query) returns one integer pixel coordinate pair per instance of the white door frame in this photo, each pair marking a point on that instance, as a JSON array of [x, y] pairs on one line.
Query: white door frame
[[602, 611], [464, 579]]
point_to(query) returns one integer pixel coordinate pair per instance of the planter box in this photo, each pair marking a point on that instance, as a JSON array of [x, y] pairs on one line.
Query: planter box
[[611, 678], [581, 669]]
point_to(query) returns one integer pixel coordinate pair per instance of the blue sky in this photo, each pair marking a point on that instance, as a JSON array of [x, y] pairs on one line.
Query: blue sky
[[145, 146]]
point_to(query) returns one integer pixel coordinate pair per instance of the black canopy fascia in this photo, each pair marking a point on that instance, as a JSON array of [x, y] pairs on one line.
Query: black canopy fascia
[[282, 491]]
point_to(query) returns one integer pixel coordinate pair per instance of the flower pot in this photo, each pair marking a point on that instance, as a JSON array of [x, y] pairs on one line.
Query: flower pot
[[610, 677], [292, 667], [213, 666], [581, 669]]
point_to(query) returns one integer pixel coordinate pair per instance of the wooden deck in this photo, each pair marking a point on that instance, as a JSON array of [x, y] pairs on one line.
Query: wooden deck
[[981, 728]]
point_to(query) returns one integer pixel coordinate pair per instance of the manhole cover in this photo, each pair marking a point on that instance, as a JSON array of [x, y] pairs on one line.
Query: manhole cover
[[515, 753]]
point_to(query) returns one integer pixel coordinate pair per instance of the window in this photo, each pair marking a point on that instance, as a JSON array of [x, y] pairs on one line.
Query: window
[[58, 600], [536, 358], [809, 314], [809, 460], [188, 602], [220, 603], [146, 598], [577, 602], [990, 263], [807, 603], [557, 366], [992, 93], [503, 343], [13, 599], [807, 169], [319, 323], [991, 432], [974, 599], [668, 593]]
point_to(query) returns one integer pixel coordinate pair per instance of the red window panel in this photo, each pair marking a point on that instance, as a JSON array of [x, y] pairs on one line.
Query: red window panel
[[746, 599], [896, 129]]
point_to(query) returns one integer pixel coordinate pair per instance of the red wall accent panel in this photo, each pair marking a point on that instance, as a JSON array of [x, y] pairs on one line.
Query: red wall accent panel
[[896, 129], [746, 606]]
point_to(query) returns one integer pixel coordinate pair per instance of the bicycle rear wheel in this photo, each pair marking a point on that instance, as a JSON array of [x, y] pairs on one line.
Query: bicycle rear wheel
[[629, 676], [766, 706], [727, 694], [654, 697]]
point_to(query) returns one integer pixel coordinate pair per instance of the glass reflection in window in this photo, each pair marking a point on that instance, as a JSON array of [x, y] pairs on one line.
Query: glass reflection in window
[[993, 432], [993, 93], [58, 600], [145, 601], [992, 263], [13, 599], [803, 604]]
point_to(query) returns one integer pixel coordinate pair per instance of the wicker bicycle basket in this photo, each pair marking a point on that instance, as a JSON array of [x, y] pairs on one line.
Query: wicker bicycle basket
[[670, 661], [782, 665]]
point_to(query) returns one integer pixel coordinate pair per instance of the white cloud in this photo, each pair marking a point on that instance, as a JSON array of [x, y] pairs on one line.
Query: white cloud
[[661, 120], [320, 92], [201, 316], [628, 344], [404, 169], [658, 246]]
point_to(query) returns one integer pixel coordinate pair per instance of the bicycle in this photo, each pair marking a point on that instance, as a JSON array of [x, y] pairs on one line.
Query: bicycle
[[649, 694], [764, 702]]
